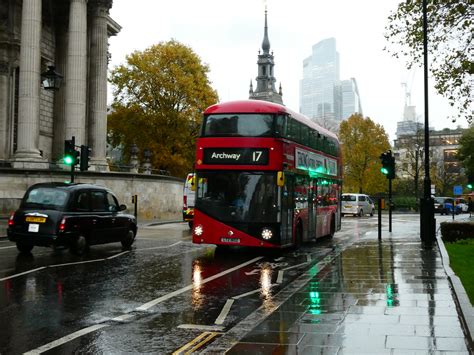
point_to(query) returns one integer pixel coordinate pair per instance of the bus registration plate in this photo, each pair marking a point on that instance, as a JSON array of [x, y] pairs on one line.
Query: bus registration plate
[[230, 240]]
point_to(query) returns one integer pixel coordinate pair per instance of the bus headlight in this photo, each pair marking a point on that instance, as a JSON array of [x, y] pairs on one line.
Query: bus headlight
[[198, 230], [266, 234]]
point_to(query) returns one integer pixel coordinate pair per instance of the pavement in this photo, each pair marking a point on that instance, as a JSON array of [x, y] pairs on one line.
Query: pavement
[[389, 297]]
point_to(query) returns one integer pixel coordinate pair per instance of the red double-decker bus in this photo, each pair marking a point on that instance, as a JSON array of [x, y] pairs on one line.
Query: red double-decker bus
[[265, 177]]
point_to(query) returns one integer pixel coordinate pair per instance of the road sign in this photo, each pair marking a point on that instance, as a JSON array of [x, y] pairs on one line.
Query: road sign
[[457, 190]]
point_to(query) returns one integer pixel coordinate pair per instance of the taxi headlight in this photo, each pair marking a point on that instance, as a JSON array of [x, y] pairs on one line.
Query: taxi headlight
[[198, 230], [266, 234]]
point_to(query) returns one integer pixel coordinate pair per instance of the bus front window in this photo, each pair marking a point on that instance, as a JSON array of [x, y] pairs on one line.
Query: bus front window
[[238, 196], [241, 125]]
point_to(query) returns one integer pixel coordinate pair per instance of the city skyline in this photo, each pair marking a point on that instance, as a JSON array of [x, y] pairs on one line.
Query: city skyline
[[229, 45]]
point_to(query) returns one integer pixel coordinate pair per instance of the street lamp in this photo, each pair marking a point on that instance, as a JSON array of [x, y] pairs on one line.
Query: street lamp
[[51, 79], [427, 220]]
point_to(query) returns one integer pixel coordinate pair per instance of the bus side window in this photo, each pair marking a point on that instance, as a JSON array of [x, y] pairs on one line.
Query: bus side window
[[280, 126]]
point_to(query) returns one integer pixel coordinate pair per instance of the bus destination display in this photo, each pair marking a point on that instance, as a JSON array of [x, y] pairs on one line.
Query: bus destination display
[[236, 156]]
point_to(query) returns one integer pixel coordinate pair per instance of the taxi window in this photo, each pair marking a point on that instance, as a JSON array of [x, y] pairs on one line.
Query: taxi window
[[98, 201]]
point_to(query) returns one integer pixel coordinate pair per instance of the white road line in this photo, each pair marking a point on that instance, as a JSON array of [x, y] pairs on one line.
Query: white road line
[[123, 317], [209, 328], [150, 304], [117, 255], [246, 294], [280, 277], [76, 263], [295, 266], [163, 247], [23, 273], [225, 311], [12, 246], [66, 339], [308, 258]]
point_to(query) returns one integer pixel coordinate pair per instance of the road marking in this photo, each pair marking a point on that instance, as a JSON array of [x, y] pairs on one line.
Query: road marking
[[66, 339], [280, 277], [163, 247], [123, 317], [150, 304], [295, 266], [23, 273], [8, 247], [246, 294], [253, 272], [75, 263], [119, 254], [225, 311], [196, 343], [201, 327]]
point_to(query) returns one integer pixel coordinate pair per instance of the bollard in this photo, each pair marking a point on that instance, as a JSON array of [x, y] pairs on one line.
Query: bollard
[[135, 207], [380, 203]]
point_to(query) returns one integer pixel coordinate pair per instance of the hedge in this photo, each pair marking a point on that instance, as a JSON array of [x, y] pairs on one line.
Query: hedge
[[456, 230]]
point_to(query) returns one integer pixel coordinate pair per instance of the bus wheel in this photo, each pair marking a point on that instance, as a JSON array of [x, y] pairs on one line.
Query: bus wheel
[[298, 235], [333, 227]]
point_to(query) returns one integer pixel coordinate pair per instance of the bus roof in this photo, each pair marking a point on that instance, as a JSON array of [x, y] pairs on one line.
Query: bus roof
[[260, 106]]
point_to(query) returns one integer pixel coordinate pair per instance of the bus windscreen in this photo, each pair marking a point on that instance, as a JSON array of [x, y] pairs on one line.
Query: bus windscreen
[[238, 125]]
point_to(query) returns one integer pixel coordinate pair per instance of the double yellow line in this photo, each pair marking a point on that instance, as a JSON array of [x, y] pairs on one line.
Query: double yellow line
[[196, 343]]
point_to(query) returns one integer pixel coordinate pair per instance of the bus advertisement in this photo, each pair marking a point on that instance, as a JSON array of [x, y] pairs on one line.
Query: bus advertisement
[[265, 177]]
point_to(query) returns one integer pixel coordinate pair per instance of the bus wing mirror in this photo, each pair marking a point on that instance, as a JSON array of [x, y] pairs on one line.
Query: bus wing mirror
[[193, 183], [281, 179]]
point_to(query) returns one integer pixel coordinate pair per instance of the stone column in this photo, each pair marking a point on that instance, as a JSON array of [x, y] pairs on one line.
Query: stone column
[[59, 124], [76, 72], [4, 107], [28, 154], [97, 128]]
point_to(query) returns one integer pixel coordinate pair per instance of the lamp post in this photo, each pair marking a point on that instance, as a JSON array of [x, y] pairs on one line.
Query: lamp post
[[427, 221], [51, 79]]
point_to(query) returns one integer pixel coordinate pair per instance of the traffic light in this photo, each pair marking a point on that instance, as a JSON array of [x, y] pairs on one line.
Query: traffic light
[[85, 151], [469, 186], [388, 164], [70, 153]]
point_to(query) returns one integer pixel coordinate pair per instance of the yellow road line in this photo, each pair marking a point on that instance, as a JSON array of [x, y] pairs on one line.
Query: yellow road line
[[196, 343]]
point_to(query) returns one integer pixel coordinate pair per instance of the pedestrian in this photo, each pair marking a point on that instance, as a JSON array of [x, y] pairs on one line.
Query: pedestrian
[[470, 206]]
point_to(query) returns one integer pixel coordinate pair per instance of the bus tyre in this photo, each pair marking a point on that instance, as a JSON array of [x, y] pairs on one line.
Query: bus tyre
[[298, 235], [333, 227]]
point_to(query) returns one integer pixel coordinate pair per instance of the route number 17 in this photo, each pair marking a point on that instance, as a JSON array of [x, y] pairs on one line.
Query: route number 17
[[256, 155]]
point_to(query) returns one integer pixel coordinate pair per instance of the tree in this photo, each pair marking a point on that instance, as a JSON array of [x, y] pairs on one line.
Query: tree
[[362, 143], [450, 28], [466, 153], [159, 97], [411, 148]]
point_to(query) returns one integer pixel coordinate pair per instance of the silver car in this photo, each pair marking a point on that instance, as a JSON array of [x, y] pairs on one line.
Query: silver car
[[357, 204]]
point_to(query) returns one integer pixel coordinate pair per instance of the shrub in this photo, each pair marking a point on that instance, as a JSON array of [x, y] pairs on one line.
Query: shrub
[[456, 230], [405, 203]]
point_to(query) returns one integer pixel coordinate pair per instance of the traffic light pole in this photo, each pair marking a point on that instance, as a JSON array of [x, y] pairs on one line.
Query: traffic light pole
[[390, 205], [72, 173]]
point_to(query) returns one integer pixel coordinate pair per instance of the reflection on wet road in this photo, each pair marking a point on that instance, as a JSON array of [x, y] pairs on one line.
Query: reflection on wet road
[[168, 294]]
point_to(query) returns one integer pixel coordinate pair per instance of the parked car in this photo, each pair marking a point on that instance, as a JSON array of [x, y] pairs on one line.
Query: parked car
[[462, 204], [189, 196], [71, 215], [357, 204], [444, 205]]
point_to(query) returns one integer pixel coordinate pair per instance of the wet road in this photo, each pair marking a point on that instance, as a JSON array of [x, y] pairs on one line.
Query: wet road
[[165, 295]]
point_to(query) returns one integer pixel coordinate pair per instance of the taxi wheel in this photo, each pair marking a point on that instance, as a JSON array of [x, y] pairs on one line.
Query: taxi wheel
[[79, 245], [24, 248], [129, 239]]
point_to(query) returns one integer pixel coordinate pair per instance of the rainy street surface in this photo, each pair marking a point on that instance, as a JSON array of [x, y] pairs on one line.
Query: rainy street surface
[[349, 294]]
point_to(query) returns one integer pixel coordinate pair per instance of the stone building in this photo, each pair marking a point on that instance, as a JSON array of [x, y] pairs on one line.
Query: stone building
[[72, 36]]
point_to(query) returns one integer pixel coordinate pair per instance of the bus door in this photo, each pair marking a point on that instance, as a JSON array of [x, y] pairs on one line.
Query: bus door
[[312, 207], [287, 208]]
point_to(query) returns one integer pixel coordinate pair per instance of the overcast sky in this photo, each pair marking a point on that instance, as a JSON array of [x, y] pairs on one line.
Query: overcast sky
[[228, 34]]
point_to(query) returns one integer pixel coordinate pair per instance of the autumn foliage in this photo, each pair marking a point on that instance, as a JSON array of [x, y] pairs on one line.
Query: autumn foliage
[[159, 96]]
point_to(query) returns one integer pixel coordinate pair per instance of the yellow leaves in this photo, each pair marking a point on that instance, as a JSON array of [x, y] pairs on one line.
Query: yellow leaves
[[362, 142], [159, 96]]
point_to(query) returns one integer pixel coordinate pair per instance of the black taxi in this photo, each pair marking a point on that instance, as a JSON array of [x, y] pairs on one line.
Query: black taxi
[[71, 215]]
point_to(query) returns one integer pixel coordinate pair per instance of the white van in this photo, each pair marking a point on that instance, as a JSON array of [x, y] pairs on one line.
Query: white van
[[357, 205], [188, 200]]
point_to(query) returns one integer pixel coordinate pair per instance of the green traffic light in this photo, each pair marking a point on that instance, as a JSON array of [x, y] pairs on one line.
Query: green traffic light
[[384, 171], [469, 186], [68, 160]]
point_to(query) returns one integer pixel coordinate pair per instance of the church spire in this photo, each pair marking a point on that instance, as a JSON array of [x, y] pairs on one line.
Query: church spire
[[266, 41], [265, 88]]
